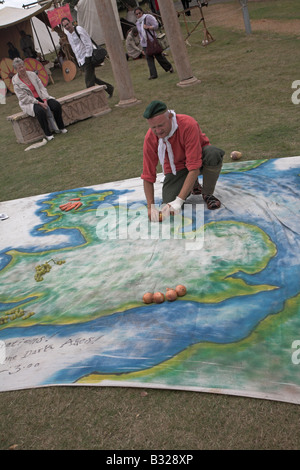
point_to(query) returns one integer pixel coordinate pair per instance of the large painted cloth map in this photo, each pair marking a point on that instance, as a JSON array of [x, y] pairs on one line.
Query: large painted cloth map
[[72, 283]]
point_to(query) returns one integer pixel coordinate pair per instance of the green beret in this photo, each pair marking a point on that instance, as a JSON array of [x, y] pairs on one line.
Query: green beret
[[154, 108]]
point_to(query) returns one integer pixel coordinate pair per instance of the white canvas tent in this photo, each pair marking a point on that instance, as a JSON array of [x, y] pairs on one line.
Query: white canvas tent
[[87, 17], [41, 37], [13, 20]]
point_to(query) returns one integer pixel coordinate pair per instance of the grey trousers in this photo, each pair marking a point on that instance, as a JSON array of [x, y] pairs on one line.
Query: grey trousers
[[91, 79], [161, 59], [42, 115], [212, 159]]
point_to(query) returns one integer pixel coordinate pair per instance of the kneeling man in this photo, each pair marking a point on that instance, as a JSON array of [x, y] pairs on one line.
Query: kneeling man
[[184, 151]]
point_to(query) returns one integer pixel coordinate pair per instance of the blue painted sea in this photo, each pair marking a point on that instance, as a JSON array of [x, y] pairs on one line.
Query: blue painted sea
[[140, 338]]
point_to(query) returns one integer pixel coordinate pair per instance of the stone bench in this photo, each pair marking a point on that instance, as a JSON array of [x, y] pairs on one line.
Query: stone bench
[[91, 102]]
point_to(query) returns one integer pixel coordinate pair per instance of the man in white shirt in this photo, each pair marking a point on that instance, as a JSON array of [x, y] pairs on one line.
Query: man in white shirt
[[82, 47]]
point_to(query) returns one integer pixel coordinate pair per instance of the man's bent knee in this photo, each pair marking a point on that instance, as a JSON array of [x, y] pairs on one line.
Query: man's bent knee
[[212, 156]]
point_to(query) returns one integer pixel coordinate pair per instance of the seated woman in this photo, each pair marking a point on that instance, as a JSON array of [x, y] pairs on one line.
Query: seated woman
[[34, 98], [134, 49]]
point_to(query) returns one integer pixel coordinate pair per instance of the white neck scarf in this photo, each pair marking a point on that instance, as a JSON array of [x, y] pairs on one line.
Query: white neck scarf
[[141, 21], [164, 144]]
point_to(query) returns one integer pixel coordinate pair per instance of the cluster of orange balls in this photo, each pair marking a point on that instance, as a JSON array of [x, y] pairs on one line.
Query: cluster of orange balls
[[159, 297]]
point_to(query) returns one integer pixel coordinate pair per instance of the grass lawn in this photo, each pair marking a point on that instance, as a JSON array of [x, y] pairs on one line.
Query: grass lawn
[[242, 103]]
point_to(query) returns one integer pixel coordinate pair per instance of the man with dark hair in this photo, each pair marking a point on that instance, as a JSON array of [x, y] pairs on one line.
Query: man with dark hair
[[82, 47], [12, 51], [184, 151], [27, 45]]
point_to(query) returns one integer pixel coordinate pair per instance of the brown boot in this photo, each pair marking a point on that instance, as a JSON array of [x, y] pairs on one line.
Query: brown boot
[[211, 201]]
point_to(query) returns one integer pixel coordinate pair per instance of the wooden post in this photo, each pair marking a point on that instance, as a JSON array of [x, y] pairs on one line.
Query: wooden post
[[177, 44], [246, 16], [116, 53]]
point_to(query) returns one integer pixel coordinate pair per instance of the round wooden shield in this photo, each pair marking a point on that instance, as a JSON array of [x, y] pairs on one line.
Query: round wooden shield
[[33, 65], [69, 70], [7, 72]]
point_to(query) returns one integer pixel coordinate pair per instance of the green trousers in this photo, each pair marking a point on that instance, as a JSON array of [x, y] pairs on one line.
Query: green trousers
[[212, 159]]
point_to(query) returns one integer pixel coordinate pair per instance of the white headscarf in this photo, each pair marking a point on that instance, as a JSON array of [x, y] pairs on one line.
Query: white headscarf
[[141, 21], [164, 144]]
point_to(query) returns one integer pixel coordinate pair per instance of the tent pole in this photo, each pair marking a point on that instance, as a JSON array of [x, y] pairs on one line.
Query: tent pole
[[32, 25], [53, 43], [49, 32]]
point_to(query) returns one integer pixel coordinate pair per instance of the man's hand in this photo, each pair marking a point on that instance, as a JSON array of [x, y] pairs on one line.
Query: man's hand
[[172, 208], [153, 214], [175, 206]]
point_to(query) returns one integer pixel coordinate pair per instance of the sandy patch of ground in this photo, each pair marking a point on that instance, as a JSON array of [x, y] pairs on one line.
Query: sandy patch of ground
[[284, 27], [231, 16]]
